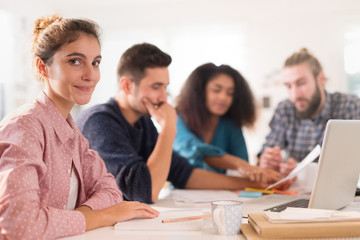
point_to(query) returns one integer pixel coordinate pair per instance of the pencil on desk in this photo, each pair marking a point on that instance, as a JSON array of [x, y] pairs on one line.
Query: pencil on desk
[[186, 218]]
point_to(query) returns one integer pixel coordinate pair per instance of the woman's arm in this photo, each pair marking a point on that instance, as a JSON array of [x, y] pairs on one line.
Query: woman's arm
[[100, 187], [202, 179], [104, 206], [189, 146], [253, 173], [117, 213], [226, 161], [25, 211]]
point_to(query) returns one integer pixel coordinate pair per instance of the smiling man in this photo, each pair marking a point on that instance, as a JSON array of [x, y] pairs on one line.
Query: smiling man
[[299, 122], [140, 158]]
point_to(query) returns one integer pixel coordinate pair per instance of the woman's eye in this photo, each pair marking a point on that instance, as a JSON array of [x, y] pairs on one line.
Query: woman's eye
[[74, 61], [96, 63]]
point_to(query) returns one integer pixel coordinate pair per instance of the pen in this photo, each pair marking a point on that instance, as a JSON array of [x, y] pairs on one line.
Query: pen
[[185, 218]]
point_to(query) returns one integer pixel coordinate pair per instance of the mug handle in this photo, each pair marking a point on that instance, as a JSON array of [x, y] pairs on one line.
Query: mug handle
[[218, 218]]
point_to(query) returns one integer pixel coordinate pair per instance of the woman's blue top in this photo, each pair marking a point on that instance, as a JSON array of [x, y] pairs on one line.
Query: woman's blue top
[[228, 139]]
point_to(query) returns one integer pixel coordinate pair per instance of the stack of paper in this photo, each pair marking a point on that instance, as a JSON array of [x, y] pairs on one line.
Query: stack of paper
[[260, 228], [293, 215], [193, 197]]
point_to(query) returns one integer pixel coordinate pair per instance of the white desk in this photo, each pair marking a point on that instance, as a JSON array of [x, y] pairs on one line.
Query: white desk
[[108, 233], [207, 233]]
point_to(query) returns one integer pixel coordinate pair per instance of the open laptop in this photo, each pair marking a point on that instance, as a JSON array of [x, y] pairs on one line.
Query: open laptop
[[339, 167]]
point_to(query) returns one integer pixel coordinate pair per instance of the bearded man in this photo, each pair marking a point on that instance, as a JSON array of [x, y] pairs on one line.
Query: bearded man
[[299, 122]]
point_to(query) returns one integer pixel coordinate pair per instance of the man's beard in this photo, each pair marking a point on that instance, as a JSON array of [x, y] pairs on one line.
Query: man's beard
[[314, 104]]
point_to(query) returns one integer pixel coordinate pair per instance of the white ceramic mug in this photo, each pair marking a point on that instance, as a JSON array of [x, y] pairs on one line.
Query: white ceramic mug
[[227, 216]]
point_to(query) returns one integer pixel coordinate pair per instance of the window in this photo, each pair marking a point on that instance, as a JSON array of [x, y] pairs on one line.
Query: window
[[352, 61], [6, 48]]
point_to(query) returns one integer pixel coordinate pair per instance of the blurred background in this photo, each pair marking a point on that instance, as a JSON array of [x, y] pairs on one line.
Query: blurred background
[[253, 36]]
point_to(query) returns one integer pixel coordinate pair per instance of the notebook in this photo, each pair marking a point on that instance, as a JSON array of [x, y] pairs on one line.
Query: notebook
[[259, 228], [339, 166]]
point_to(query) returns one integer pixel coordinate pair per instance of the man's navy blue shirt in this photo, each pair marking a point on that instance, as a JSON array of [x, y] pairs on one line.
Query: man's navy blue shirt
[[125, 149]]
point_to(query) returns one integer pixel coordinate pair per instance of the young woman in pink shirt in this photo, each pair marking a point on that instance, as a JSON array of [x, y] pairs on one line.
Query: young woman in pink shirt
[[51, 184]]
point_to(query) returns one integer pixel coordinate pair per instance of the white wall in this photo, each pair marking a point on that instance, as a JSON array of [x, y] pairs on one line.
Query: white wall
[[253, 36]]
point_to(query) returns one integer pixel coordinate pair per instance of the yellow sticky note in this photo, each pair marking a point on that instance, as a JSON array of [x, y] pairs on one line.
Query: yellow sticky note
[[259, 190]]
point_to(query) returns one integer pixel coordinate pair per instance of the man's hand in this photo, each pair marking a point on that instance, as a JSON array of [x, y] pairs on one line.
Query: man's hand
[[286, 168], [163, 113], [271, 158], [159, 160]]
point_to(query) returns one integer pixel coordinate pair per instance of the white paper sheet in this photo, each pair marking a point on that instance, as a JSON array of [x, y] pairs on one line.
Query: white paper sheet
[[301, 165], [156, 224], [292, 215], [193, 197]]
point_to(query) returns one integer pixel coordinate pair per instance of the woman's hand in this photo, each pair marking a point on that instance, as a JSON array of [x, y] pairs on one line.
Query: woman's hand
[[128, 210], [257, 174], [117, 213]]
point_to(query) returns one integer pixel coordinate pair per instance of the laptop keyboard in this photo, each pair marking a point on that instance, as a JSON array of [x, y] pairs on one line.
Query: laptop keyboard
[[300, 203]]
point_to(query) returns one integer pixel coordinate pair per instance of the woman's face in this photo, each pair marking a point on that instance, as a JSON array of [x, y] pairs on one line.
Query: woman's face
[[219, 94], [73, 73]]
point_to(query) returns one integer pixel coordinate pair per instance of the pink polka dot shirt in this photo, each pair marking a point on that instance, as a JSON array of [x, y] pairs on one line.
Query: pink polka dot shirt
[[37, 149]]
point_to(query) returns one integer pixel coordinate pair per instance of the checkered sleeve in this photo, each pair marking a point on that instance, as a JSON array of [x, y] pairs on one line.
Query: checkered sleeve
[[277, 135], [353, 104], [346, 106]]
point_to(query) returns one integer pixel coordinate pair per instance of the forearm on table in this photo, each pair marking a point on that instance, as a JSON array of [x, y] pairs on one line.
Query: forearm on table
[[103, 190], [202, 179], [94, 218], [226, 161], [160, 160]]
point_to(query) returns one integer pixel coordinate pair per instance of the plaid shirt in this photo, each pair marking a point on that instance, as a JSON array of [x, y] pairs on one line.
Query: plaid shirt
[[298, 136]]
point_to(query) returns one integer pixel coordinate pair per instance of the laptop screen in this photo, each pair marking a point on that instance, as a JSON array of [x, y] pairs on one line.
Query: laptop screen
[[339, 165]]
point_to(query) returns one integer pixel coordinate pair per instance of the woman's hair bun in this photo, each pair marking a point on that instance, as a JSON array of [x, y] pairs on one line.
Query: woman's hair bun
[[44, 22]]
